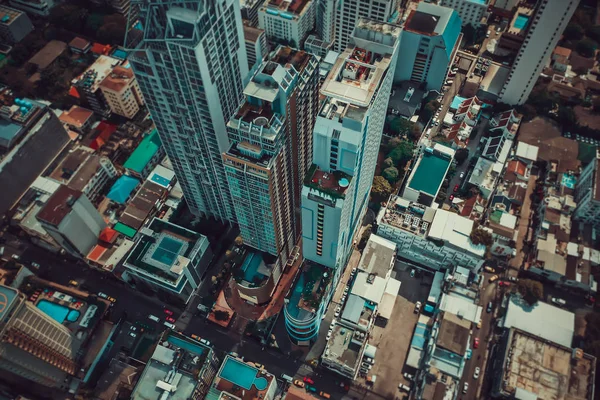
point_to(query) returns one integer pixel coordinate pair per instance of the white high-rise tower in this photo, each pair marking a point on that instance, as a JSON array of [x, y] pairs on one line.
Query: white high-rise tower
[[546, 26], [190, 64]]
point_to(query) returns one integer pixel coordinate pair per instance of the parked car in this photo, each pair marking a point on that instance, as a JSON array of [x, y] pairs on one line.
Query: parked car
[[111, 299], [451, 197], [408, 376], [412, 273], [325, 395], [513, 279], [329, 333], [195, 337], [462, 175], [417, 307], [168, 312], [456, 188], [35, 265], [73, 283], [299, 383], [338, 309], [170, 319], [476, 373], [476, 343], [490, 307], [308, 380], [479, 324], [404, 387], [559, 302], [465, 387], [205, 342], [487, 35], [493, 278], [489, 269], [102, 295], [311, 388]]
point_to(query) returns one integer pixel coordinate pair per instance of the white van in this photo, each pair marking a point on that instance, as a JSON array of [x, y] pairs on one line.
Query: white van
[[153, 318], [169, 325], [559, 302]]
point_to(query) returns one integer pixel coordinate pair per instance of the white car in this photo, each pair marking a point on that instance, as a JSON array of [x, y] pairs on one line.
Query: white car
[[103, 295], [329, 332], [417, 307], [337, 311], [34, 264], [408, 376], [465, 388], [462, 174], [476, 373]]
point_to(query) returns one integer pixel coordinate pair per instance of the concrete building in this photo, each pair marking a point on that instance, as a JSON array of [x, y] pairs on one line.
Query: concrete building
[[249, 10], [502, 129], [435, 239], [325, 20], [38, 7], [428, 43], [507, 5], [87, 86], [72, 221], [169, 260], [191, 110], [32, 137], [14, 25], [35, 346], [542, 30], [428, 174], [348, 13], [85, 171], [122, 92], [346, 141], [179, 368], [271, 136], [243, 380], [287, 22], [77, 119], [470, 11], [146, 156], [256, 45], [316, 46], [587, 193], [522, 357]]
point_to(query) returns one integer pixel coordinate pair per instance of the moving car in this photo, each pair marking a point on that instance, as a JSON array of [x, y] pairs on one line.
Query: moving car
[[476, 343], [559, 302], [504, 283], [35, 265], [168, 312], [462, 175], [308, 380], [493, 279], [73, 282], [489, 269], [417, 307], [490, 307], [479, 324], [476, 373], [456, 188], [299, 383], [170, 319], [513, 279], [412, 273], [325, 395], [465, 388], [451, 197]]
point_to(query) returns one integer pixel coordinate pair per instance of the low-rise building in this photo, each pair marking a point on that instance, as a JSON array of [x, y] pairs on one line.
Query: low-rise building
[[72, 221], [428, 174], [180, 368], [87, 86], [145, 157], [406, 100], [485, 176], [287, 21], [433, 238], [78, 119], [473, 12], [168, 259], [14, 25], [243, 380], [317, 46], [122, 92]]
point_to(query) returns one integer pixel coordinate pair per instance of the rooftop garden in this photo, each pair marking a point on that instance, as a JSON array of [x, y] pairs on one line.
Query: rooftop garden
[[316, 280], [327, 183]]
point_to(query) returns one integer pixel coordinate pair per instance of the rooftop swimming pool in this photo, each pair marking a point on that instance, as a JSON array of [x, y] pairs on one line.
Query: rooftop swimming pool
[[521, 21], [184, 344], [430, 173], [58, 312], [167, 251], [569, 181], [250, 266], [242, 375]]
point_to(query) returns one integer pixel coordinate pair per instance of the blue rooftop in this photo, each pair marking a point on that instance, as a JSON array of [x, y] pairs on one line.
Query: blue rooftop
[[456, 102], [122, 189]]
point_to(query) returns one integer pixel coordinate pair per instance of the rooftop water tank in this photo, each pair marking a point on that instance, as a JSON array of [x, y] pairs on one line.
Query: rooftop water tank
[[344, 183]]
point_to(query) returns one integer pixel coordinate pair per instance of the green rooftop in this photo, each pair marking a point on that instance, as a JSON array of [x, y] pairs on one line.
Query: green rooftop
[[125, 230], [430, 173], [142, 155]]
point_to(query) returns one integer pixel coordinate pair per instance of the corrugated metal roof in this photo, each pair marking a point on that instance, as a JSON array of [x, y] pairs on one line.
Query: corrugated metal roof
[[353, 309], [142, 155]]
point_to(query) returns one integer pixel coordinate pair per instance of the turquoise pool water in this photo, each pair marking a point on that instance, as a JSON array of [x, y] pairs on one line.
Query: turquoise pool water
[[167, 251], [521, 21], [430, 173], [250, 266], [192, 348], [242, 375], [58, 312], [569, 181]]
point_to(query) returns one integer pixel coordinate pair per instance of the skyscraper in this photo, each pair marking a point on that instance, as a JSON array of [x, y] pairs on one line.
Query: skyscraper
[[544, 28], [271, 135], [190, 65], [325, 19], [33, 345], [346, 141], [348, 13]]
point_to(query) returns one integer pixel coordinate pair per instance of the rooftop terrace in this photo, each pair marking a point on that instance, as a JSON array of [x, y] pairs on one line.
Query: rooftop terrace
[[333, 183], [308, 290], [242, 379], [409, 216], [287, 8], [341, 347]]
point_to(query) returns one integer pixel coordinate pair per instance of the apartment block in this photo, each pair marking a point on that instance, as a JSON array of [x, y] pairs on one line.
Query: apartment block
[[14, 25], [122, 92], [470, 11], [271, 145], [587, 193], [287, 21], [87, 86], [249, 10], [428, 43], [256, 45], [346, 141]]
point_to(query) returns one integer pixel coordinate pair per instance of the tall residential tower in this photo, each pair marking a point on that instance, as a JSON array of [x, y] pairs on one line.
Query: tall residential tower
[[271, 135], [544, 28], [190, 66]]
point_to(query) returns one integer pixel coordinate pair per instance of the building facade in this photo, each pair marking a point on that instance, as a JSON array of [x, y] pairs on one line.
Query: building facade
[[287, 21], [470, 11], [249, 9], [87, 85], [169, 260], [256, 45], [190, 66], [544, 28], [38, 7], [428, 43], [72, 221], [14, 25], [587, 193], [325, 19], [34, 345], [271, 145], [122, 92], [346, 140]]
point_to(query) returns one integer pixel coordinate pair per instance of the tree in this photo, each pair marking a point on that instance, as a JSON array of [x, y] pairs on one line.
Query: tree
[[481, 236], [429, 109], [401, 126], [388, 162], [469, 33], [113, 29], [239, 241], [392, 144], [391, 174], [221, 315], [594, 33], [596, 104], [586, 47], [229, 254], [381, 189], [541, 101], [402, 153], [461, 155], [531, 290], [573, 31]]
